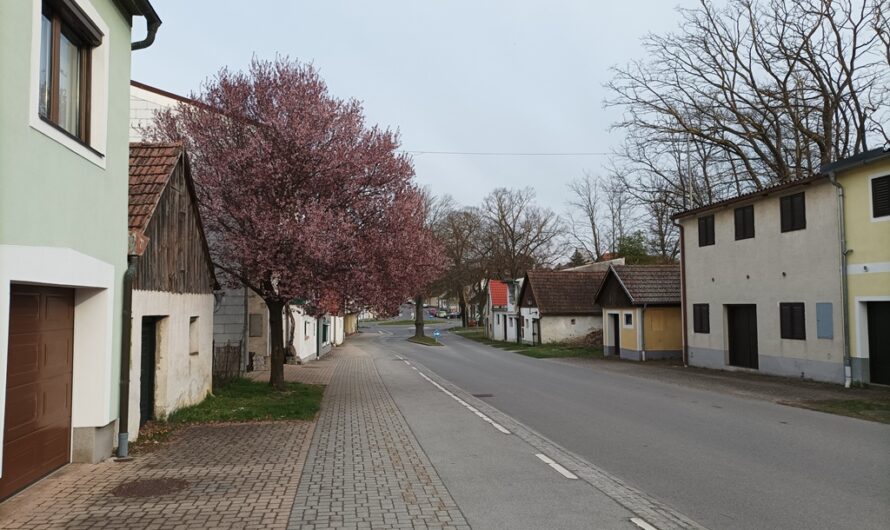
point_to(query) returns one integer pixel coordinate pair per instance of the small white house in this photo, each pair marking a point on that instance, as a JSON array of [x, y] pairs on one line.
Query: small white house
[[559, 306], [303, 334], [172, 287], [501, 316]]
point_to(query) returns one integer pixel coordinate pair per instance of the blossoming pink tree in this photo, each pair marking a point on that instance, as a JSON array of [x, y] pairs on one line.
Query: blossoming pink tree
[[300, 197]]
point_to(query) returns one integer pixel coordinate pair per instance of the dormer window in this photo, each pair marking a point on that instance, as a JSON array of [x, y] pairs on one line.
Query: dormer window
[[67, 38]]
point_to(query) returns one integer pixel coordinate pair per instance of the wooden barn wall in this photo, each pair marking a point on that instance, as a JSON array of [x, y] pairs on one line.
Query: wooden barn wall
[[612, 294], [175, 260]]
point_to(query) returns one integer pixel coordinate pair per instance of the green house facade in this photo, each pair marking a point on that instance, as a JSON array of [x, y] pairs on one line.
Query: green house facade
[[64, 117]]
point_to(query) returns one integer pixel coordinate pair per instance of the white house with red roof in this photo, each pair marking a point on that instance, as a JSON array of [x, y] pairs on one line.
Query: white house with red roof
[[501, 319]]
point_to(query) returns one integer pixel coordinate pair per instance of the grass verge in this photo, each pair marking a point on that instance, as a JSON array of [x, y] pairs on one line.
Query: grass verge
[[426, 341], [872, 410], [541, 351], [242, 400]]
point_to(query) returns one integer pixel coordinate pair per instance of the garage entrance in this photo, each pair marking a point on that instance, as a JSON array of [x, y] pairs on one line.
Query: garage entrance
[[879, 342], [37, 425]]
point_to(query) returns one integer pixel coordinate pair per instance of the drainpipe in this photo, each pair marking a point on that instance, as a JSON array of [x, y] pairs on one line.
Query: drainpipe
[[642, 324], [842, 241], [318, 325], [685, 350], [152, 22], [126, 344]]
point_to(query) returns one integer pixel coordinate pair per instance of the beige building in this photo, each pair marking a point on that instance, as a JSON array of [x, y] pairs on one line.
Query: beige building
[[762, 283]]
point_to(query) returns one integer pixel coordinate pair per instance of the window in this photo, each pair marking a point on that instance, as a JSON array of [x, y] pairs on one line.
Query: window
[[794, 212], [194, 337], [255, 325], [511, 322], [744, 222], [497, 319], [628, 319], [701, 318], [793, 322], [67, 38], [706, 230], [880, 197], [573, 321]]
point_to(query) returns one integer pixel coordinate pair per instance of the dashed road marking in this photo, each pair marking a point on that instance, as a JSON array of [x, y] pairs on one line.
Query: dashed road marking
[[642, 524], [558, 468]]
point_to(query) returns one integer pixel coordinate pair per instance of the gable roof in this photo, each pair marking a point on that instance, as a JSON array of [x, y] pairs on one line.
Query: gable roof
[[648, 284], [151, 167], [564, 292], [498, 292]]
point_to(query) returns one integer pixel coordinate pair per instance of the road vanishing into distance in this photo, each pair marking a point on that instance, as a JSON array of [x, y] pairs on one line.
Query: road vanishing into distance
[[724, 460]]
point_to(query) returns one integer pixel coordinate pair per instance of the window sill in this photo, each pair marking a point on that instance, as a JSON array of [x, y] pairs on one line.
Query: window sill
[[71, 137]]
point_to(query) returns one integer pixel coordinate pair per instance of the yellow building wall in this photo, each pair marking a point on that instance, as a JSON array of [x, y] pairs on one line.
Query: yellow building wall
[[663, 328], [868, 265], [628, 334]]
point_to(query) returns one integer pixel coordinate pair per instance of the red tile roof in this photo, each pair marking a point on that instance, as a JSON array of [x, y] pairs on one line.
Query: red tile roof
[[151, 166], [650, 284], [498, 290], [565, 292]]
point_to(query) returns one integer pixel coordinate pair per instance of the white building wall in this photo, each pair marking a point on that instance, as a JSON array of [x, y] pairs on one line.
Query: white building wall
[[773, 267], [182, 377], [529, 315], [566, 328], [143, 105]]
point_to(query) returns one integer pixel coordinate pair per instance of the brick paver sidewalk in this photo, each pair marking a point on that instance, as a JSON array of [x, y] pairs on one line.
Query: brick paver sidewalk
[[365, 469]]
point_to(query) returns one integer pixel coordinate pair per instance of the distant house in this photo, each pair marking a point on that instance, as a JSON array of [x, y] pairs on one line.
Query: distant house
[[171, 341], [641, 309], [502, 317], [558, 306]]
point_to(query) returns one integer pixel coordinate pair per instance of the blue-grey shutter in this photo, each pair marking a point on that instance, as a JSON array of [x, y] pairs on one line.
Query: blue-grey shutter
[[824, 321]]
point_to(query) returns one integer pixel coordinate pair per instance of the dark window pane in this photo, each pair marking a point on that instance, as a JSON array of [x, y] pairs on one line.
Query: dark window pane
[[706, 230], [793, 321], [701, 318], [46, 55], [744, 222], [794, 215], [880, 196]]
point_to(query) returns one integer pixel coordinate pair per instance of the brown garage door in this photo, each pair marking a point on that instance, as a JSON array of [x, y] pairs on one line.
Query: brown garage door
[[37, 425]]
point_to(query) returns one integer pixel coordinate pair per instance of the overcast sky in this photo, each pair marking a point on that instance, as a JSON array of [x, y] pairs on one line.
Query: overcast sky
[[516, 76]]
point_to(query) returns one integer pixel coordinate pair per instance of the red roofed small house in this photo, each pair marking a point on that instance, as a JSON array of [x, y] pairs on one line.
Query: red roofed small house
[[173, 281], [559, 306], [501, 320]]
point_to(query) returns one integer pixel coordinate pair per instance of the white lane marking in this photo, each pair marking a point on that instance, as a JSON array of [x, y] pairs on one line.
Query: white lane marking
[[406, 362], [558, 468], [466, 405], [642, 524]]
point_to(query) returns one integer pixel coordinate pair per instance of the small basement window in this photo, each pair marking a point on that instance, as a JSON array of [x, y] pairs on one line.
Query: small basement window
[[194, 337]]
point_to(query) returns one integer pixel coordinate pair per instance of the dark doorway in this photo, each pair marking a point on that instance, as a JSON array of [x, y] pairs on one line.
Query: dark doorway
[[536, 331], [742, 320], [505, 327], [615, 321], [879, 342], [37, 429], [148, 369]]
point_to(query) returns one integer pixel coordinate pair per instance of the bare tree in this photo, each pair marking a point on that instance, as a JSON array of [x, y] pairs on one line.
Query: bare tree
[[585, 222], [519, 235], [753, 93]]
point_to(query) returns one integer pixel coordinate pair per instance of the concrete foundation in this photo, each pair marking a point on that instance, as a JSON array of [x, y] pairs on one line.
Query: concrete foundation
[[91, 445]]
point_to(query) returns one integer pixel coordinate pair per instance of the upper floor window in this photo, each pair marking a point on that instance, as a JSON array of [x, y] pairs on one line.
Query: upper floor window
[[792, 321], [67, 38], [794, 212], [880, 197], [744, 222], [706, 230], [701, 318]]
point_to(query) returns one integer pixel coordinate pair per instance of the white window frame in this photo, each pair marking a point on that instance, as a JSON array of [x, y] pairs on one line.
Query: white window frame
[[624, 323], [98, 145]]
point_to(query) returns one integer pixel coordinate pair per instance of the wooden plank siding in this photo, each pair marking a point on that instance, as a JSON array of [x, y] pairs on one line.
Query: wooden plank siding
[[176, 259]]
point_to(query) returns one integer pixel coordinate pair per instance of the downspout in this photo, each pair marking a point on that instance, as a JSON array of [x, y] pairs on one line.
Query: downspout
[[318, 325], [685, 349], [123, 421], [643, 332], [152, 22], [842, 241]]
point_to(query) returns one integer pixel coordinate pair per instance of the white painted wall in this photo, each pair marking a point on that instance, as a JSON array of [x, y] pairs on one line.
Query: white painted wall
[[143, 105], [773, 267], [181, 377], [529, 314], [562, 328], [92, 403]]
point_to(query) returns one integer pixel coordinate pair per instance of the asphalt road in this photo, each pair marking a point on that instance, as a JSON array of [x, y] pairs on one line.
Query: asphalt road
[[724, 460]]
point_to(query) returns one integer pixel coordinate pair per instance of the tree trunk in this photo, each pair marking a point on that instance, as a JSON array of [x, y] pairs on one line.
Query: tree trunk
[[418, 316], [462, 307], [276, 341]]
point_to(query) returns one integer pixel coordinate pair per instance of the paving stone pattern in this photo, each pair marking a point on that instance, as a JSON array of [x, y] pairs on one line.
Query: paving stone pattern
[[238, 476], [312, 372], [365, 468]]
